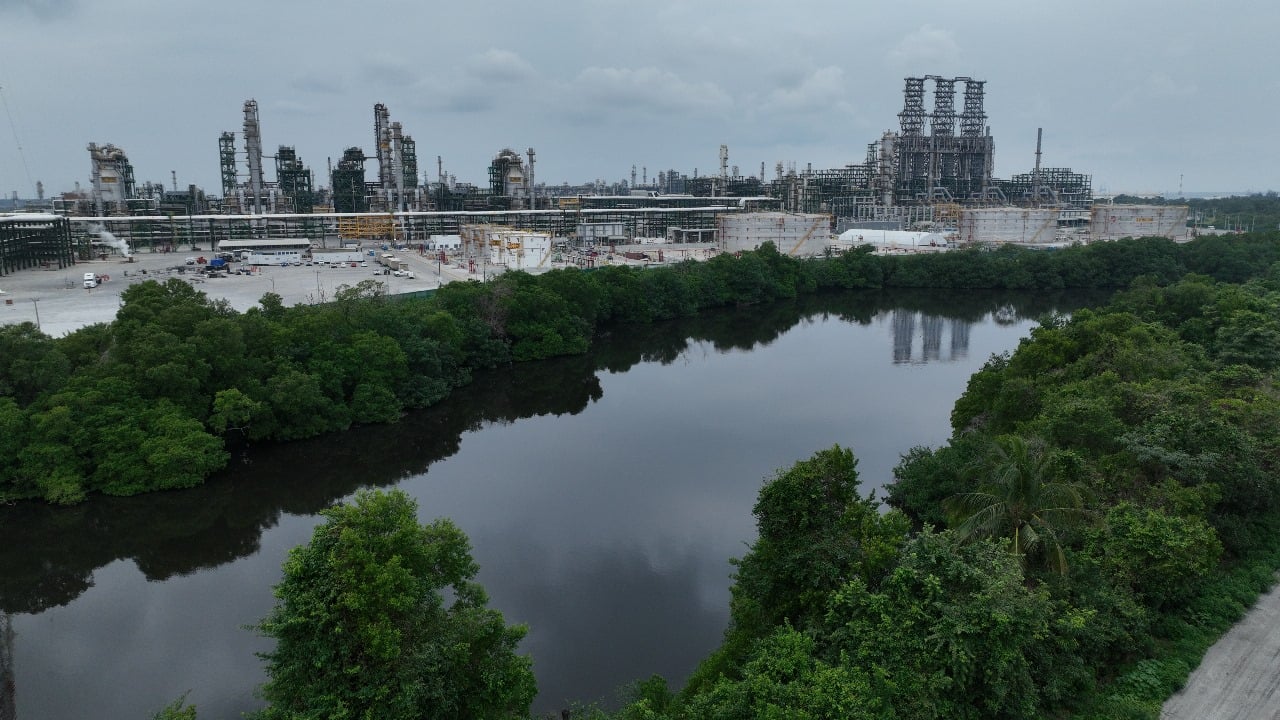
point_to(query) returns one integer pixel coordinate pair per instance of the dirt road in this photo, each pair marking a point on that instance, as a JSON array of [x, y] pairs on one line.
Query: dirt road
[[1239, 678]]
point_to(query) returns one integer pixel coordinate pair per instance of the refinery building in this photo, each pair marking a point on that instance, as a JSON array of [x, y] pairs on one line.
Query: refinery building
[[934, 175]]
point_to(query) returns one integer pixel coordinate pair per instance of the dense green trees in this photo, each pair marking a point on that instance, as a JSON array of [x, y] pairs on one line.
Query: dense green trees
[[379, 617], [1022, 500], [217, 378], [1131, 443], [838, 611]]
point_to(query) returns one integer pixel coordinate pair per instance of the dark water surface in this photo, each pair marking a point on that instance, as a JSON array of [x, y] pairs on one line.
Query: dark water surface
[[603, 495]]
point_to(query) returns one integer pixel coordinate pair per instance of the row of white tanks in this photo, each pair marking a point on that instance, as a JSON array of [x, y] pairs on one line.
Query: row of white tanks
[[804, 235], [800, 234]]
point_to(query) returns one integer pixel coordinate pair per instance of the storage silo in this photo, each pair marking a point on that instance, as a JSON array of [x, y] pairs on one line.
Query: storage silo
[[1008, 225], [1112, 222], [793, 234]]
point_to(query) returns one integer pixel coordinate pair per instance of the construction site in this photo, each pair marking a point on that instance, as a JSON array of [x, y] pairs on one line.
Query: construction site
[[934, 174]]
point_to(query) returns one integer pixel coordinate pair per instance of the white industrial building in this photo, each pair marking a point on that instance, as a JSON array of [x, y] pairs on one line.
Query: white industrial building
[[444, 242], [891, 240], [794, 234], [497, 246]]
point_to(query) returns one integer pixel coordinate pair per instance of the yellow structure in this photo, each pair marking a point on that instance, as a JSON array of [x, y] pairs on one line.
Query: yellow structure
[[350, 228]]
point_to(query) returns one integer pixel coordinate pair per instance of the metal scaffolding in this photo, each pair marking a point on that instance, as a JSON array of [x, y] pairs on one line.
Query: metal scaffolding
[[227, 162], [942, 166], [28, 241], [348, 184], [159, 232], [294, 179], [1049, 187]]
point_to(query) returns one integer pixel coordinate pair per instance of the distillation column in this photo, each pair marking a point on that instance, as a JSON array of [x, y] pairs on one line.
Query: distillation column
[[533, 205], [253, 147], [397, 166], [382, 145]]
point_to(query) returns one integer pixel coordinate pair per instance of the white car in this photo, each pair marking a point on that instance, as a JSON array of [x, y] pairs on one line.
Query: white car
[[403, 274]]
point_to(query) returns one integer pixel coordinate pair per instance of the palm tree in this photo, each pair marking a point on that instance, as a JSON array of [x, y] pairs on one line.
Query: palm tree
[[1021, 499]]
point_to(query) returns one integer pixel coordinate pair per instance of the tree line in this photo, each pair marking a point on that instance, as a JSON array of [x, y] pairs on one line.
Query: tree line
[[159, 398]]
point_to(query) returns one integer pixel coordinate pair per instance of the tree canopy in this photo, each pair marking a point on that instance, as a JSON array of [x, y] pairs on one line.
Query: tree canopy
[[178, 365], [379, 617]]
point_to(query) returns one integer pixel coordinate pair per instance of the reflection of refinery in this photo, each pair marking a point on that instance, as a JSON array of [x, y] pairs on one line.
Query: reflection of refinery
[[933, 175], [932, 328]]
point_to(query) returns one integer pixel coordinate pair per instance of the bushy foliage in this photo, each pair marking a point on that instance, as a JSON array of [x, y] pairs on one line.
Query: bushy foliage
[[282, 373], [1132, 436], [379, 617]]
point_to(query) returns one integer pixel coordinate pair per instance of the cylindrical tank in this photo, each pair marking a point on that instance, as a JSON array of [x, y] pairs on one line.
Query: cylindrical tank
[[1008, 225], [793, 234], [1112, 222]]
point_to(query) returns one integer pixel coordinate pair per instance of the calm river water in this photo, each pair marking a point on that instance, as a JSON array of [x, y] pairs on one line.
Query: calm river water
[[603, 495]]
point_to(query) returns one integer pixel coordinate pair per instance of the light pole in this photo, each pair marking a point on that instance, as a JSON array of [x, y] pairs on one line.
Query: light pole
[[36, 303]]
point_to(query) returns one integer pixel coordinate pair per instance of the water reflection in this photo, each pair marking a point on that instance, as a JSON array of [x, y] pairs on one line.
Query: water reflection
[[650, 522], [931, 332], [8, 688]]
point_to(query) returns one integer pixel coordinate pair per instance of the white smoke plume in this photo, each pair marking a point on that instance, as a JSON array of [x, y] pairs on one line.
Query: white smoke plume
[[106, 238]]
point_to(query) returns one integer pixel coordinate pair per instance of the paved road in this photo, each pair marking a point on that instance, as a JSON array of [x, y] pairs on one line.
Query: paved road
[[1239, 678]]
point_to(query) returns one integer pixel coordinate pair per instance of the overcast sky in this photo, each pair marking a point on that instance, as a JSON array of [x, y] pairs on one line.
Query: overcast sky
[[1141, 95]]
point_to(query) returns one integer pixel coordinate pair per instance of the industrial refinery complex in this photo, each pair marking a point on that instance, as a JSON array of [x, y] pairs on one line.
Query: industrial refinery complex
[[929, 186]]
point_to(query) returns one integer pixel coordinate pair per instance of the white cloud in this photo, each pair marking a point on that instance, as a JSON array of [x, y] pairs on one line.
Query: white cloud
[[601, 84], [819, 91], [42, 9], [647, 89], [1154, 88], [502, 66], [925, 50]]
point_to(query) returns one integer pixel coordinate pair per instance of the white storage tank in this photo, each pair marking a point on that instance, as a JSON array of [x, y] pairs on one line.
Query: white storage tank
[[1112, 222], [793, 234], [1008, 225]]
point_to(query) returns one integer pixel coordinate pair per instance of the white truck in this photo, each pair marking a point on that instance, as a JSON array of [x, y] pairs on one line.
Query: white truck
[[91, 280]]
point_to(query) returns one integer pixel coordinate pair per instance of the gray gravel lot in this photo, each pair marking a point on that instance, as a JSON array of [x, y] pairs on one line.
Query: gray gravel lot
[[62, 303]]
